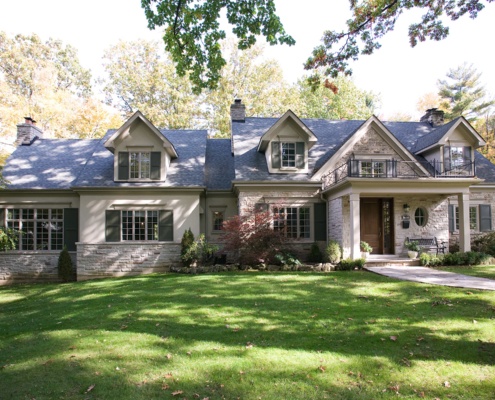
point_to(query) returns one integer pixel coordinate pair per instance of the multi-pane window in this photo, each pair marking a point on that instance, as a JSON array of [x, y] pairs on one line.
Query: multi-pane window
[[288, 154], [456, 156], [217, 220], [139, 164], [139, 225], [473, 217], [420, 216], [373, 168], [294, 222], [40, 228]]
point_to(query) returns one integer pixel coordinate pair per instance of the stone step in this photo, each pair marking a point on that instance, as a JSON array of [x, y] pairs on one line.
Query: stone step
[[392, 262]]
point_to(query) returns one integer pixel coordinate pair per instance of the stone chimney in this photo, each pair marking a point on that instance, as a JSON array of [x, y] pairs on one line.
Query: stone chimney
[[238, 111], [28, 132], [433, 116]]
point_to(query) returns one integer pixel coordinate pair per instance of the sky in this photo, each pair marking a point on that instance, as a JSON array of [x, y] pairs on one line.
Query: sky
[[399, 74]]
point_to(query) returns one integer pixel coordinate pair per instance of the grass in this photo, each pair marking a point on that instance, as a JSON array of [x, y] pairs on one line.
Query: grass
[[344, 335]]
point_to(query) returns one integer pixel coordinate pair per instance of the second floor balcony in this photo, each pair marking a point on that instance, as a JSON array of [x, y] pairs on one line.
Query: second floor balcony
[[372, 169]]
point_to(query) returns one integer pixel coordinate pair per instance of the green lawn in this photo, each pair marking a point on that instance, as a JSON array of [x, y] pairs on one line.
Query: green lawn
[[483, 271], [342, 335]]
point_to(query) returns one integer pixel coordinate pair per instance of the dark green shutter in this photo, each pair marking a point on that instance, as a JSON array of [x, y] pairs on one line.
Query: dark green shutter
[[446, 158], [466, 154], [353, 168], [155, 173], [451, 218], [3, 212], [300, 155], [485, 217], [71, 228], [275, 154], [123, 173], [320, 221], [166, 226], [112, 225]]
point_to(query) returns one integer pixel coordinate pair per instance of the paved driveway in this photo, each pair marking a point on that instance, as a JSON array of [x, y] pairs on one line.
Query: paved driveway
[[434, 277]]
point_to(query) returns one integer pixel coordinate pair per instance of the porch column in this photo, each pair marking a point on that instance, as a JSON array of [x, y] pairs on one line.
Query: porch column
[[355, 226], [464, 229]]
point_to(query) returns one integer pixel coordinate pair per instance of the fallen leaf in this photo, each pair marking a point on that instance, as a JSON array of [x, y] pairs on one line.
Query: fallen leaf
[[422, 395], [241, 372], [322, 368], [188, 353], [72, 347], [165, 386], [169, 356], [474, 321], [394, 338], [90, 389], [394, 388], [48, 362], [249, 345], [168, 375], [446, 384], [177, 392]]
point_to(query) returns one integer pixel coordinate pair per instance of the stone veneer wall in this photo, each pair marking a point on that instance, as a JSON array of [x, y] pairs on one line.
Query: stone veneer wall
[[100, 260], [335, 220], [30, 266], [437, 224]]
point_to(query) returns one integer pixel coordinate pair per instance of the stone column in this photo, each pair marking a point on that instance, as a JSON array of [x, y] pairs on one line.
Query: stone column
[[355, 230], [464, 229]]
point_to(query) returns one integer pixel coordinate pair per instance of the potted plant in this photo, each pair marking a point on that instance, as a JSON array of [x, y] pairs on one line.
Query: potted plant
[[366, 249], [412, 249]]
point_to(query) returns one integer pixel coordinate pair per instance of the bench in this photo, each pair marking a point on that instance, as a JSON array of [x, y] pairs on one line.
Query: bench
[[429, 243]]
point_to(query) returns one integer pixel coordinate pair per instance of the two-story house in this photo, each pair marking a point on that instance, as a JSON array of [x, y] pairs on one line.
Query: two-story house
[[122, 203]]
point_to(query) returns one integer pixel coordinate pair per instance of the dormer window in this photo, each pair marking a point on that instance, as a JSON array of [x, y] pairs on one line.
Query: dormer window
[[139, 165], [288, 155], [288, 151]]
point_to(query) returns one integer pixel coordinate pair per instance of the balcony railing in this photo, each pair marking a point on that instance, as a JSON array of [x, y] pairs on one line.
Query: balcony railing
[[372, 169]]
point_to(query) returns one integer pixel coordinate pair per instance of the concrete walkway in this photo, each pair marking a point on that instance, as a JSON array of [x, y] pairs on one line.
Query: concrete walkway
[[434, 277]]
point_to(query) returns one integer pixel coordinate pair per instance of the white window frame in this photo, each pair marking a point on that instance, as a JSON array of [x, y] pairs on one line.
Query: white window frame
[[473, 224], [289, 159], [135, 230], [374, 168], [41, 229], [141, 159], [300, 228]]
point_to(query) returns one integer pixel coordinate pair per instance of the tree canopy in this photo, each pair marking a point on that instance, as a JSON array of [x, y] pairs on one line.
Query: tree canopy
[[462, 93], [192, 31]]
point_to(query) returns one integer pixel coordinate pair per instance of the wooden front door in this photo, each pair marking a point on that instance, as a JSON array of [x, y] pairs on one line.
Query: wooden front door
[[377, 224]]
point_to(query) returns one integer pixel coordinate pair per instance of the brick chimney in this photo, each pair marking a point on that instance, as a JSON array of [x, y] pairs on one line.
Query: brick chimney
[[28, 132], [238, 111], [433, 116]]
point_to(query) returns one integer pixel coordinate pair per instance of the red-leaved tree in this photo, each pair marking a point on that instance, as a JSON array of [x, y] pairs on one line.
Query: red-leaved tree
[[251, 238]]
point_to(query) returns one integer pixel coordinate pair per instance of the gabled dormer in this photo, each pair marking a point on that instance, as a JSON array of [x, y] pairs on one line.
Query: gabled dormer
[[451, 147], [141, 152], [286, 145]]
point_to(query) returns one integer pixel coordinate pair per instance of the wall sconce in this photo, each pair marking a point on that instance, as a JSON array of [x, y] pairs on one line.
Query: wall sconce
[[406, 208]]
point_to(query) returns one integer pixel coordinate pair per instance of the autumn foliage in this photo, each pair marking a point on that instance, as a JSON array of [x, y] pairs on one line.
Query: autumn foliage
[[251, 238]]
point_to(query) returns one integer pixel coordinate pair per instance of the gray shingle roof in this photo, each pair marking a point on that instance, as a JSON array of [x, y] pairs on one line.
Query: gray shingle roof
[[48, 163], [433, 137], [219, 169], [185, 171]]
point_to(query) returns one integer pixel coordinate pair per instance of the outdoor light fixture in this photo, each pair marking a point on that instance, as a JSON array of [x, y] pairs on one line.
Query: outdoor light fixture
[[406, 208]]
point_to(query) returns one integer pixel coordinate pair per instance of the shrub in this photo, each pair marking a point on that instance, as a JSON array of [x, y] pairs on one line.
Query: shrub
[[412, 246], [286, 258], [205, 252], [430, 260], [187, 253], [453, 259], [366, 247], [334, 253], [349, 264], [485, 244], [250, 238], [315, 254], [8, 239], [65, 270]]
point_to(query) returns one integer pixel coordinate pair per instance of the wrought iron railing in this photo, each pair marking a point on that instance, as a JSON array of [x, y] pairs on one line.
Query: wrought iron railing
[[370, 169]]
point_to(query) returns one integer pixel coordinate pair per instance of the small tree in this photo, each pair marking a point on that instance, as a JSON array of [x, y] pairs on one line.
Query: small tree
[[251, 238], [187, 253], [65, 270], [334, 253]]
